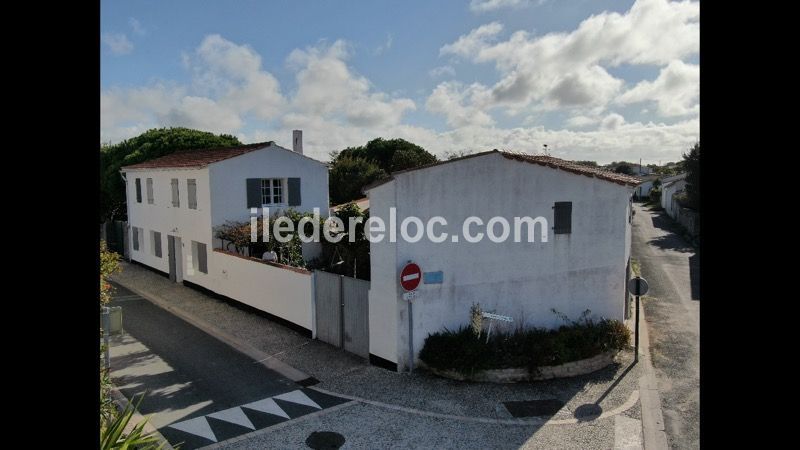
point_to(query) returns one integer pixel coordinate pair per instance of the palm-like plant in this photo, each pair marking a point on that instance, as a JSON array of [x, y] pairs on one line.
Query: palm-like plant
[[113, 436]]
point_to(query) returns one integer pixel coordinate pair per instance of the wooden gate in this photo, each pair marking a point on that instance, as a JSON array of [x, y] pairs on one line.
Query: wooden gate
[[342, 312]]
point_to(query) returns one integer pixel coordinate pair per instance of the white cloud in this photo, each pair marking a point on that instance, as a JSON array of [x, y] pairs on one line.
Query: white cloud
[[676, 90], [442, 71], [473, 41], [136, 26], [569, 69], [118, 43], [481, 6], [458, 103]]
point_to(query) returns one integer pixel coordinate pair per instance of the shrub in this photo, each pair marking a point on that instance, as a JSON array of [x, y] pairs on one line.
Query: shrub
[[463, 351]]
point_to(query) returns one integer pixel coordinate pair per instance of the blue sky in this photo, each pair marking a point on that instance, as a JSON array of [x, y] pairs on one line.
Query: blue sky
[[449, 75]]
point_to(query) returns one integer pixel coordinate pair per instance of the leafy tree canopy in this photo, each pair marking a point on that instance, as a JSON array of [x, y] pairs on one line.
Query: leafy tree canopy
[[691, 163], [624, 169], [355, 167], [151, 144], [587, 163]]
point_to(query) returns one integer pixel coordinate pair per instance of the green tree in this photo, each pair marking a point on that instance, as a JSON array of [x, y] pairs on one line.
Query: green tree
[[691, 164], [348, 175], [383, 152], [587, 163], [355, 167], [624, 169], [148, 145]]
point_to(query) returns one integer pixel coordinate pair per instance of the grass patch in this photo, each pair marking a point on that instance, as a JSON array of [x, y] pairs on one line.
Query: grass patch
[[465, 351], [636, 267]]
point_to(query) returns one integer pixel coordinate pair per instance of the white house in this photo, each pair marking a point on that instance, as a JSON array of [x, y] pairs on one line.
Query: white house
[[174, 203], [643, 190], [584, 263], [669, 187]]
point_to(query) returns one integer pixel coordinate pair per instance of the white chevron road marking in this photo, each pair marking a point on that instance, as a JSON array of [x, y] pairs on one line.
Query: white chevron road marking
[[268, 406], [235, 416], [198, 426], [298, 397]]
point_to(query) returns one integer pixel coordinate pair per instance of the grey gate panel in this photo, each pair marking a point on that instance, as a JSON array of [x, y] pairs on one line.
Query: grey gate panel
[[356, 316], [171, 255], [328, 307]]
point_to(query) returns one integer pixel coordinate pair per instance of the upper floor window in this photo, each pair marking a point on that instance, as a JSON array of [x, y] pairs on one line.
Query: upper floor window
[[271, 191], [138, 190], [191, 193], [150, 191], [176, 202]]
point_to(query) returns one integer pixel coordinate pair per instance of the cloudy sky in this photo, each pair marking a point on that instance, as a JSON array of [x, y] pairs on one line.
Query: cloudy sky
[[591, 79]]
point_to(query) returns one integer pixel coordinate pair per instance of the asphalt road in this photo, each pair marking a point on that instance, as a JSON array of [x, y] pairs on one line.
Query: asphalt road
[[672, 307], [198, 389]]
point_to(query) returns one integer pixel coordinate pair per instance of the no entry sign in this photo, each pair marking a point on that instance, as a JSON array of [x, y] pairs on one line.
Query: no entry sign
[[410, 277]]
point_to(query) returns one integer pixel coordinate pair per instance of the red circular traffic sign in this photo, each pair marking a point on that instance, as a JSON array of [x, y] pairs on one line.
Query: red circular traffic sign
[[410, 276]]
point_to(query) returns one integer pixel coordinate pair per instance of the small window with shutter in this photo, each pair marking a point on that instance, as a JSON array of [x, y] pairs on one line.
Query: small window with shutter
[[562, 218], [150, 191], [155, 241], [175, 199], [191, 193], [200, 256], [135, 238], [138, 190]]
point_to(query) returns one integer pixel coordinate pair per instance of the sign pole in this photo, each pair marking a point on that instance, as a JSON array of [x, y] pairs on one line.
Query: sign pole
[[410, 336], [636, 338]]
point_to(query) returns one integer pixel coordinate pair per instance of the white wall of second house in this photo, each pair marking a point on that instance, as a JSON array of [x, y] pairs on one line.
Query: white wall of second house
[[229, 197]]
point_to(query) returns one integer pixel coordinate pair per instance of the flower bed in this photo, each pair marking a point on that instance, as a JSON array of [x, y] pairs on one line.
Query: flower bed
[[579, 347]]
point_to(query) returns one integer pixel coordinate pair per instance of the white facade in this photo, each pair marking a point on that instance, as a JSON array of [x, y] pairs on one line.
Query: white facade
[[221, 195], [585, 269], [668, 191]]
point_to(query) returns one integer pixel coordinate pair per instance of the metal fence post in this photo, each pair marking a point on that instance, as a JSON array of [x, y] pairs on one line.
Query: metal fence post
[[106, 333]]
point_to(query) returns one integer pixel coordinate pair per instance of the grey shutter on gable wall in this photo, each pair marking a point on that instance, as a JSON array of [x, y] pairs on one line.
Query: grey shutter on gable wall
[[294, 192], [254, 192], [562, 218]]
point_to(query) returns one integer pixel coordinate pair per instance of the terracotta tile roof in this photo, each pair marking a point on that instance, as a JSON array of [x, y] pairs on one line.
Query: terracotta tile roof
[[362, 203], [574, 167], [541, 160], [197, 158]]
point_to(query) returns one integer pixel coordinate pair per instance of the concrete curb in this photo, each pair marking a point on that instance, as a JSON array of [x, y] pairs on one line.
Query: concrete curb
[[514, 375], [653, 430], [258, 356], [122, 402]]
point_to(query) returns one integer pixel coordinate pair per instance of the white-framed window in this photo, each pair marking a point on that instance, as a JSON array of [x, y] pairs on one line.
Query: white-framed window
[[155, 243], [272, 191]]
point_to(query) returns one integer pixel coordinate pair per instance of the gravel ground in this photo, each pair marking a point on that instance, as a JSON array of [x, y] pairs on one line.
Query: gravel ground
[[366, 426]]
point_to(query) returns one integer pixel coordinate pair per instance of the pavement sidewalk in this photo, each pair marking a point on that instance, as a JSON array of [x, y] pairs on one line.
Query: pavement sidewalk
[[614, 389]]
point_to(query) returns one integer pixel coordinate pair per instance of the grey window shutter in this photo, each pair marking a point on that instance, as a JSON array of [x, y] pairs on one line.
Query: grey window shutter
[[157, 243], [138, 190], [150, 191], [202, 261], [254, 192], [136, 239], [191, 189], [562, 218], [294, 192], [176, 202]]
